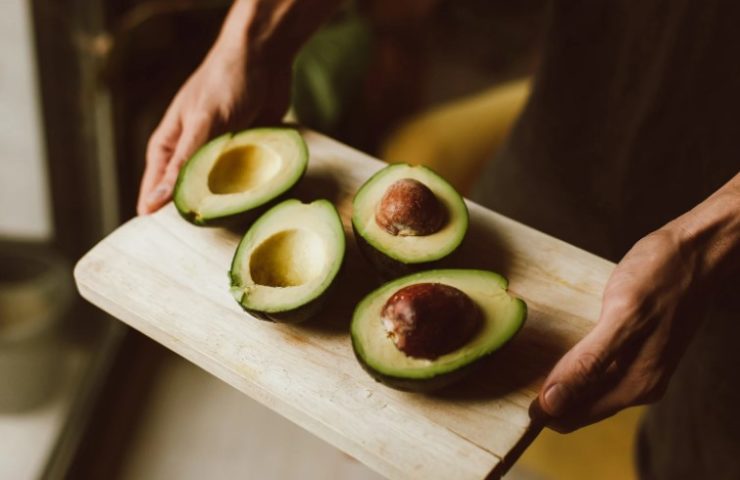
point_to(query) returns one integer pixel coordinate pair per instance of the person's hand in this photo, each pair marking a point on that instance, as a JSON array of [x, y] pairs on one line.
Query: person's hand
[[649, 313], [227, 92], [244, 80]]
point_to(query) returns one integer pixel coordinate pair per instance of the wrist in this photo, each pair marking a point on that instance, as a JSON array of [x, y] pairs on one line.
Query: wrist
[[709, 235], [232, 40], [271, 32]]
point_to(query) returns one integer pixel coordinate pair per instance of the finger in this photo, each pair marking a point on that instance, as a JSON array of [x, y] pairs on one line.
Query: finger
[[640, 373], [160, 148], [636, 387], [578, 374], [571, 423], [194, 134], [602, 403], [157, 159], [581, 374]]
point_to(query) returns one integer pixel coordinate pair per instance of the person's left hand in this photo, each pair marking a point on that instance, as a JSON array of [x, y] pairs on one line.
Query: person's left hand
[[229, 91], [648, 316]]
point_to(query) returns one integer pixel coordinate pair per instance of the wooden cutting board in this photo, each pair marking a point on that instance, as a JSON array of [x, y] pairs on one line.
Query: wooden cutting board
[[168, 279]]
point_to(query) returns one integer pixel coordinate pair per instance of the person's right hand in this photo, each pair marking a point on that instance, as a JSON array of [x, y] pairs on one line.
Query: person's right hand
[[652, 305], [228, 91]]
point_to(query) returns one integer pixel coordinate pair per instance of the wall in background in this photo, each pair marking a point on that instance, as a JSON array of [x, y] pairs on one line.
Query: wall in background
[[24, 195]]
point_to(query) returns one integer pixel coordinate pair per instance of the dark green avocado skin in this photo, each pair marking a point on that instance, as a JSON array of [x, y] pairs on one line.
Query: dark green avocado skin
[[415, 385], [231, 221], [238, 221], [389, 268], [297, 315]]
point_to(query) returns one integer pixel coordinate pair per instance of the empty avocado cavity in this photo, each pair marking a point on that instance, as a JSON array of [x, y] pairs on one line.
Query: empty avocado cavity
[[240, 169], [287, 261], [238, 174]]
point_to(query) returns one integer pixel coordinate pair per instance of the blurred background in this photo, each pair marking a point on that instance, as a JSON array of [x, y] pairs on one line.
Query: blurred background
[[82, 85]]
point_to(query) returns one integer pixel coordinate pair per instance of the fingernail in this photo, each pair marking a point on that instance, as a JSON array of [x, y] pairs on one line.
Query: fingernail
[[536, 412], [157, 194], [556, 398]]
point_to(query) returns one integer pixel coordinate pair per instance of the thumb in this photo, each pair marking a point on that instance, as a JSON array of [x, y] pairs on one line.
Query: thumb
[[581, 374], [194, 134]]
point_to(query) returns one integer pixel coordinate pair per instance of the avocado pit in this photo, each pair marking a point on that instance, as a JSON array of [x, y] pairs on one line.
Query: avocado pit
[[428, 320], [410, 208]]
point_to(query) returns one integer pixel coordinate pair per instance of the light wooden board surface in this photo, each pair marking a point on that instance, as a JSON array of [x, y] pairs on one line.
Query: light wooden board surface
[[168, 279]]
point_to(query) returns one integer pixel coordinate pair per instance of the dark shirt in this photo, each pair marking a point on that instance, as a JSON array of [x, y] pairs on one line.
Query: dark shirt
[[633, 120]]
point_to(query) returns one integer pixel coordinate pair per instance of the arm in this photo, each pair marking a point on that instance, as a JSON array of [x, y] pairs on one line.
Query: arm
[[244, 80], [651, 307]]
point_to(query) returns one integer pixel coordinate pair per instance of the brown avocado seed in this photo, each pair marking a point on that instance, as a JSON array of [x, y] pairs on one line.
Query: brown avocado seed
[[427, 320], [410, 208]]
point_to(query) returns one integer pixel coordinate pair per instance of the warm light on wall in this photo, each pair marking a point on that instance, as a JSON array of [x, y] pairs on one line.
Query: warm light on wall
[[24, 194]]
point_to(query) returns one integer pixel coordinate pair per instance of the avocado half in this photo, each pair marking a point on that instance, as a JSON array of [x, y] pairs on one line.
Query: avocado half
[[502, 317], [238, 173], [395, 255], [287, 261]]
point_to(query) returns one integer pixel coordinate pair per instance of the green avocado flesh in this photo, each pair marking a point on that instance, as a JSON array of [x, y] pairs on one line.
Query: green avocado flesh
[[409, 249], [287, 260], [503, 316], [236, 173]]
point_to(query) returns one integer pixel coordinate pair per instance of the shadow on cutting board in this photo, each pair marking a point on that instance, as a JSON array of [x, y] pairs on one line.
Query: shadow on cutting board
[[355, 280], [523, 363], [482, 249], [318, 184]]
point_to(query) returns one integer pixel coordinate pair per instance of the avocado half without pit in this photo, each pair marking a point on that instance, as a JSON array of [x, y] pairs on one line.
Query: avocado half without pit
[[406, 218], [287, 261], [238, 173], [427, 330]]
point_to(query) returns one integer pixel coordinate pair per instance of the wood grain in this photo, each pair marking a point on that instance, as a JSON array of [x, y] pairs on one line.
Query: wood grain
[[168, 279]]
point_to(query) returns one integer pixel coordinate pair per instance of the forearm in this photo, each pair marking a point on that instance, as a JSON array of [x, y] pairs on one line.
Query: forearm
[[711, 231], [273, 30]]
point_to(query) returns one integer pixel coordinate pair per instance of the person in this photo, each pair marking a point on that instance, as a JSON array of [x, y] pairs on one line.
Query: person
[[627, 148]]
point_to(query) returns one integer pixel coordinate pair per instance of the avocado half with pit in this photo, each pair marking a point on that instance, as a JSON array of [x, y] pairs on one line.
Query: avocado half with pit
[[287, 261], [238, 173], [406, 218], [427, 330]]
